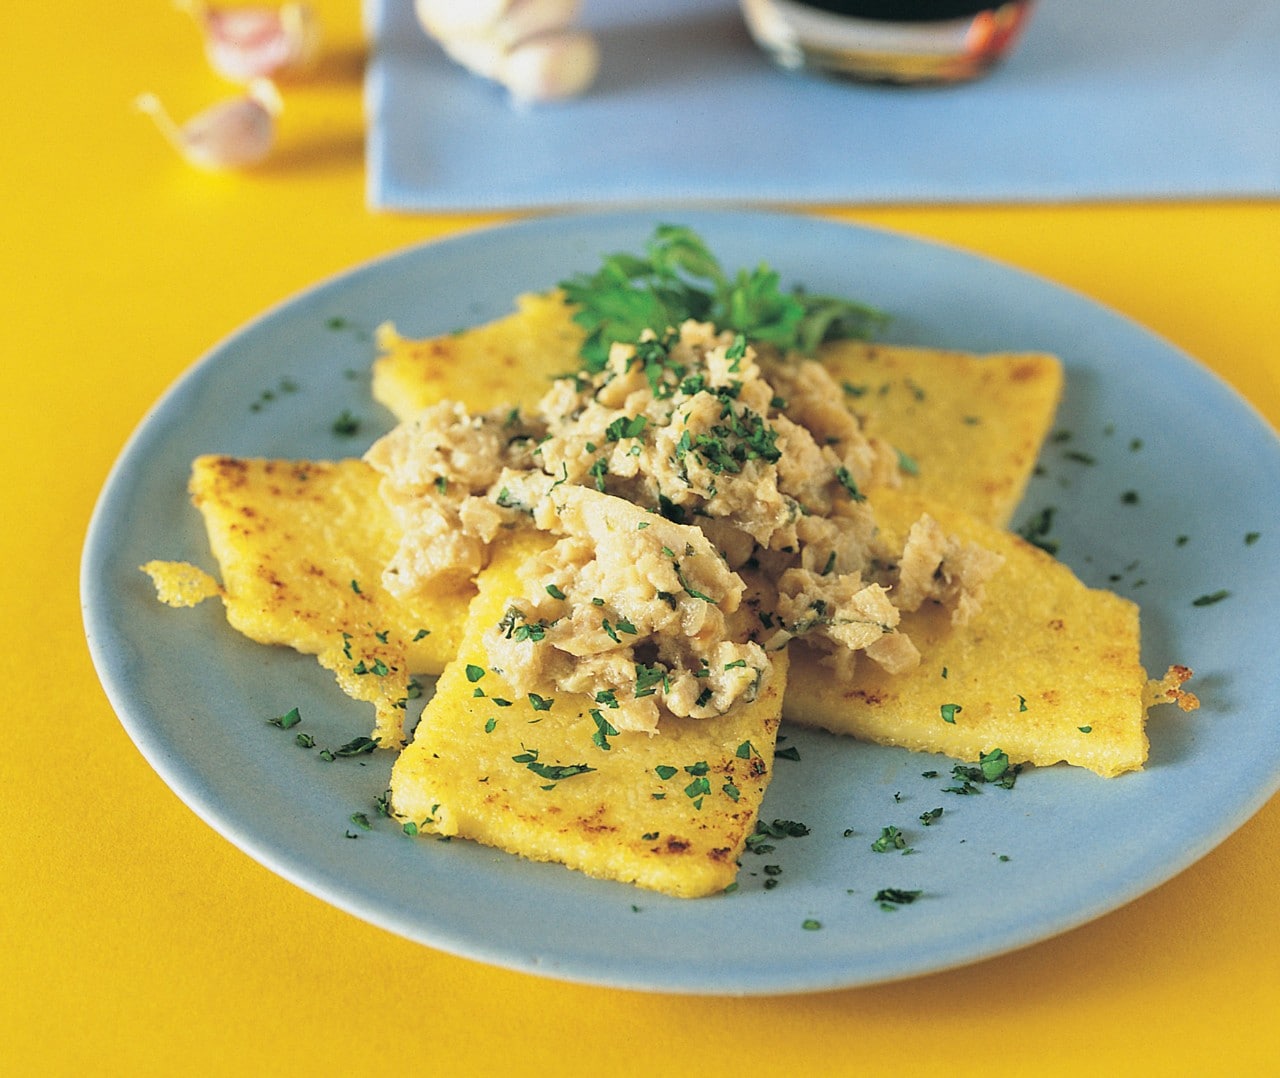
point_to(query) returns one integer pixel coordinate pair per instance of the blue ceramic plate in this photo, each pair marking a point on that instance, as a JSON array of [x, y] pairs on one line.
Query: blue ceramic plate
[[998, 871]]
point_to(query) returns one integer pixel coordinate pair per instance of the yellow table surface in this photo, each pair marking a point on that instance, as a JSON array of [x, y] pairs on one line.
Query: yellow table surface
[[134, 940]]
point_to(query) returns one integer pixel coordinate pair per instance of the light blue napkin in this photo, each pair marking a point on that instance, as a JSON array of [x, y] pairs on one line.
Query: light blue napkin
[[1103, 99]]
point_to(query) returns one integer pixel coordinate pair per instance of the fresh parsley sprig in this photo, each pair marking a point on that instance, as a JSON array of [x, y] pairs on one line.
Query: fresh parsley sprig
[[678, 278]]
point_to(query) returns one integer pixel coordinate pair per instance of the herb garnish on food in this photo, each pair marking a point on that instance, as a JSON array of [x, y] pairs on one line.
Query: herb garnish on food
[[678, 278]]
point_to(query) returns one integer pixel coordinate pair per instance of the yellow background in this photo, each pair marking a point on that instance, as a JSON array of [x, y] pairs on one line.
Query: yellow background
[[133, 940]]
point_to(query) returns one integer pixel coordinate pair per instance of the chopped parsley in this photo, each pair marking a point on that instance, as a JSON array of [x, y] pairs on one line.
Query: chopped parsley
[[346, 425], [845, 478], [357, 746], [759, 841], [290, 718], [648, 678], [994, 764], [1036, 530], [514, 626], [993, 768], [604, 731], [698, 789], [691, 591], [677, 278], [552, 772], [891, 838], [626, 427], [890, 898]]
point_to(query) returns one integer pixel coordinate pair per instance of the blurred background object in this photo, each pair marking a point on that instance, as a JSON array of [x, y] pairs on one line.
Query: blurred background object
[[235, 133], [243, 43], [531, 47], [887, 41]]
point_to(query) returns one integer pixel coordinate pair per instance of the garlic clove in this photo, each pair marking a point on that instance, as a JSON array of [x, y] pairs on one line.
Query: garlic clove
[[453, 18], [231, 134], [550, 67], [244, 43]]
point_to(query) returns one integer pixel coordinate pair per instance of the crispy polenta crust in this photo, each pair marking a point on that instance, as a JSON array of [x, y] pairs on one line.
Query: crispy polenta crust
[[970, 426], [180, 584], [532, 781], [509, 361], [1048, 670], [301, 546]]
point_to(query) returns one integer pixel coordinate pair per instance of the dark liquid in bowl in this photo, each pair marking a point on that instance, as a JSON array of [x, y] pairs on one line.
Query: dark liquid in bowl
[[907, 42], [901, 10]]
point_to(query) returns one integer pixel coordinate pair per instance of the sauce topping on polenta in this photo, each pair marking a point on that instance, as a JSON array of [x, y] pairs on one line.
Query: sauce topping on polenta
[[710, 506]]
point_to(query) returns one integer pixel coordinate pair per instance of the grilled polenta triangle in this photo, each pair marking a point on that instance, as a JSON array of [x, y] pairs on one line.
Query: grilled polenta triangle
[[1048, 669], [546, 780], [301, 546], [969, 427], [510, 360]]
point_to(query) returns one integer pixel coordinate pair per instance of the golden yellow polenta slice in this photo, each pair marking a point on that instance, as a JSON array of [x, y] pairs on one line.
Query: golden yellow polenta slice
[[545, 779], [1048, 670], [301, 546], [509, 361], [970, 427]]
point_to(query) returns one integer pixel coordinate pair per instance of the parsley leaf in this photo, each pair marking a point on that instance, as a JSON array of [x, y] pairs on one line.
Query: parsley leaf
[[677, 278], [890, 898], [891, 838], [554, 772]]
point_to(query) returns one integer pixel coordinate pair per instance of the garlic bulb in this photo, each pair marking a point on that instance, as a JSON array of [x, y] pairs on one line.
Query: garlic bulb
[[245, 43], [529, 46], [231, 134]]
